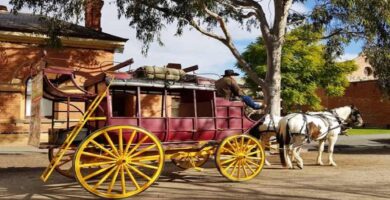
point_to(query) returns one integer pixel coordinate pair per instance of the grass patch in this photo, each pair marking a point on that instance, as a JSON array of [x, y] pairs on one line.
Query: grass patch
[[368, 131]]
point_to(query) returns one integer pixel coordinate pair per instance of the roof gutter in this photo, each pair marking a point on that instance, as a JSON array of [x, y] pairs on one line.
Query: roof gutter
[[32, 38]]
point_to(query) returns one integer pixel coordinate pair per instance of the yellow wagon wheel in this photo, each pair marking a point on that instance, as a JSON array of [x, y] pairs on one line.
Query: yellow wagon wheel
[[240, 157], [65, 166], [128, 160], [190, 160]]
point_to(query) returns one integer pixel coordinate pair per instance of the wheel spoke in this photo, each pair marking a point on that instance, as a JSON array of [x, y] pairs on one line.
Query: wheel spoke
[[97, 156], [238, 169], [145, 158], [112, 184], [142, 151], [234, 169], [103, 148], [245, 146], [123, 180], [96, 164], [98, 172], [229, 151], [232, 146], [253, 163], [250, 168], [105, 177], [140, 173], [130, 141], [132, 177], [231, 165], [255, 152], [144, 165], [228, 161], [137, 145], [250, 148], [120, 138], [245, 172], [253, 158], [237, 145], [110, 143]]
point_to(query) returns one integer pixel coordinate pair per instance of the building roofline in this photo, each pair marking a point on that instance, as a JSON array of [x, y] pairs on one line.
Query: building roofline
[[22, 37], [35, 26]]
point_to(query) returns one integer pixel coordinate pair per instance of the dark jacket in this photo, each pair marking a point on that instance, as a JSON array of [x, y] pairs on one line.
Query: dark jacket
[[228, 88]]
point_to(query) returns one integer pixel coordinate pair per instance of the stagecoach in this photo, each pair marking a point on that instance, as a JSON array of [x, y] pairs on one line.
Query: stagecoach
[[131, 125]]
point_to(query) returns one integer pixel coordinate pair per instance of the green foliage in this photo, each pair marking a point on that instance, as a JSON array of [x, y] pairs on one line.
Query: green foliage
[[304, 69], [148, 17], [348, 20]]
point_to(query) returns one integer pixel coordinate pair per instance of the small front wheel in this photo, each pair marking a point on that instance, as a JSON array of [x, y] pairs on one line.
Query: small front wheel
[[127, 160], [240, 157]]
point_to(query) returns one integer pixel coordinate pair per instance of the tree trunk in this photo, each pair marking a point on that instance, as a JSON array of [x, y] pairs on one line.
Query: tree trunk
[[273, 78]]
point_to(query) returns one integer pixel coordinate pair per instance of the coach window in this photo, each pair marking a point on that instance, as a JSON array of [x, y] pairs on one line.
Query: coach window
[[124, 102], [180, 103], [152, 102], [204, 101]]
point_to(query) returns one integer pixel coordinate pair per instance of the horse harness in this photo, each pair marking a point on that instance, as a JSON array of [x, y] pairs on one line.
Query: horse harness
[[271, 124], [322, 117]]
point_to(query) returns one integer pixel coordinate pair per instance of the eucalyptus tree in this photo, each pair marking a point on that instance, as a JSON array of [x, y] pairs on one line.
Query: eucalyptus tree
[[304, 68], [344, 21], [206, 16]]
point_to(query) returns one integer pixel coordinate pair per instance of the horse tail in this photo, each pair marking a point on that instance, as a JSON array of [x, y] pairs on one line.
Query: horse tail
[[283, 137]]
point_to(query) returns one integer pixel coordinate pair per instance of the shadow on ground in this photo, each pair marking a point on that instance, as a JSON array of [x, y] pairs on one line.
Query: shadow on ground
[[174, 183]]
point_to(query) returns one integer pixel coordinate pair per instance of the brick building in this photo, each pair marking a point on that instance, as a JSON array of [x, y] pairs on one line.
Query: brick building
[[22, 43], [364, 93]]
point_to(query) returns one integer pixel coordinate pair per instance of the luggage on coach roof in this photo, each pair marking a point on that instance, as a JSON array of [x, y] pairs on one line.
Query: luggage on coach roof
[[160, 73]]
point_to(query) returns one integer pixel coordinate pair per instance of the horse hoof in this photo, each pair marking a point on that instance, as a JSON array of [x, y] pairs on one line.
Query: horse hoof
[[320, 163], [333, 164], [267, 163], [300, 166]]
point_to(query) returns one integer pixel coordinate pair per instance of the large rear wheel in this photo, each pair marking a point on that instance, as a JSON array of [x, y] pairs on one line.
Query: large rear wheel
[[240, 157], [128, 160]]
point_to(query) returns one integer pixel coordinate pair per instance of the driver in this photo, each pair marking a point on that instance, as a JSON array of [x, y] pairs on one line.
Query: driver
[[228, 88]]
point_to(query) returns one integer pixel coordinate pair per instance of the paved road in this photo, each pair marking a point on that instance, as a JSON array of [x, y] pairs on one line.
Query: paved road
[[362, 173]]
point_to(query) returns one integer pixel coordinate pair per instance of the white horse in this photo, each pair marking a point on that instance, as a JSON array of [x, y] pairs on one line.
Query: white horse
[[267, 130], [294, 130]]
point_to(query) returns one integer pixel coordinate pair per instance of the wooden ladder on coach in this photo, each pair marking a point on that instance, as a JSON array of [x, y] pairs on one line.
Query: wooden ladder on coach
[[73, 134]]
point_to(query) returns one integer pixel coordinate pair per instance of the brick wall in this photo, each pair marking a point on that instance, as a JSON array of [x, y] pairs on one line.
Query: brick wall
[[15, 60], [367, 97]]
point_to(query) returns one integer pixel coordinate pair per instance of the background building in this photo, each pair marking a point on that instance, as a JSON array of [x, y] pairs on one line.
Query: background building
[[22, 45], [364, 93]]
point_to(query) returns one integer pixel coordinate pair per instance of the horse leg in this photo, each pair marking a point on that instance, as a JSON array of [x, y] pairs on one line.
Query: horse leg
[[265, 142], [288, 150], [296, 152], [332, 142], [321, 145]]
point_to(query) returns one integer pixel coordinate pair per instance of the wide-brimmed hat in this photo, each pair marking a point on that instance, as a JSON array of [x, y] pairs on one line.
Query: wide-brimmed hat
[[230, 72]]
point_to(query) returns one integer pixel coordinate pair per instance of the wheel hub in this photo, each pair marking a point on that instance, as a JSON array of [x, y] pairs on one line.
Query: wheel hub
[[122, 161], [241, 156]]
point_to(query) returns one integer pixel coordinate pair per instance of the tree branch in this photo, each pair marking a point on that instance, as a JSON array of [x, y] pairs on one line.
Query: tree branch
[[204, 32], [229, 43], [265, 29]]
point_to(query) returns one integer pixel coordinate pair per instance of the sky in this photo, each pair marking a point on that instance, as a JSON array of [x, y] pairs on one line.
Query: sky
[[192, 48]]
